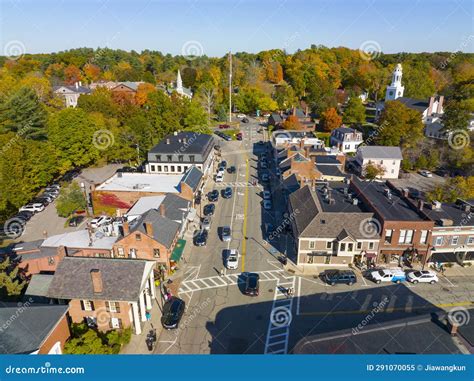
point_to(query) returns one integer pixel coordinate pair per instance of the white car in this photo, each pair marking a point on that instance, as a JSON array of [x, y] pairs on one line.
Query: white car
[[240, 116], [219, 177], [34, 208], [266, 195], [426, 173], [267, 204], [232, 259], [99, 221], [388, 275], [423, 276], [206, 223]]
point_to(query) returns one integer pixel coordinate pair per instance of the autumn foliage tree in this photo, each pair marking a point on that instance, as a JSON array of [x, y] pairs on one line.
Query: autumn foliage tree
[[330, 119], [292, 123]]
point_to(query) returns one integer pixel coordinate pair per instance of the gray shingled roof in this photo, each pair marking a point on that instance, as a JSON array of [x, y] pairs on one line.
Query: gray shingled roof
[[381, 152], [183, 143], [39, 285], [192, 177], [74, 89], [414, 104], [29, 325], [304, 206], [164, 229], [121, 279], [175, 206]]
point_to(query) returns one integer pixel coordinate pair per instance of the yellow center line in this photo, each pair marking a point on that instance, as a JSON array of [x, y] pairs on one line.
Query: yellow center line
[[246, 203]]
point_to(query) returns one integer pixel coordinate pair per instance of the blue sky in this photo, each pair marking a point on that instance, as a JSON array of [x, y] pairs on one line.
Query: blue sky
[[216, 26]]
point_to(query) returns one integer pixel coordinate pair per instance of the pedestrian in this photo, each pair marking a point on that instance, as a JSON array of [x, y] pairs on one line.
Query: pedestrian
[[222, 272], [148, 316]]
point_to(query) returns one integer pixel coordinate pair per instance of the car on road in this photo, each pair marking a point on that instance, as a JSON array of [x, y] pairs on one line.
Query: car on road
[[226, 234], [227, 193], [240, 116], [265, 177], [24, 215], [33, 207], [231, 169], [245, 120], [240, 136], [213, 196], [173, 311], [266, 195], [224, 126], [206, 223], [75, 221], [99, 221], [423, 276], [252, 284], [267, 204], [200, 237], [388, 275], [231, 259], [425, 173], [209, 209], [334, 277], [219, 177]]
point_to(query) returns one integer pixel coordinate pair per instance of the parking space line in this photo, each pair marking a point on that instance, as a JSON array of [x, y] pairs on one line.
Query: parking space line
[[409, 305], [391, 304], [364, 305], [447, 280]]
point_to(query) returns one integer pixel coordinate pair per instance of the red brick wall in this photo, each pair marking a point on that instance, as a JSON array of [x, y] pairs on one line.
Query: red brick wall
[[60, 333]]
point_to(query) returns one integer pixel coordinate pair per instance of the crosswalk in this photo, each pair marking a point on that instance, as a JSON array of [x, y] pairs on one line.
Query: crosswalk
[[238, 184], [280, 318], [225, 281]]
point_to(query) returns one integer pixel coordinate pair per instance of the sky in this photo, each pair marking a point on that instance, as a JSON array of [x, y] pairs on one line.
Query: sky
[[213, 27]]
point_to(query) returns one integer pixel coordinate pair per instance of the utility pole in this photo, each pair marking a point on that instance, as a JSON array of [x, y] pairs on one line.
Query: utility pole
[[230, 86]]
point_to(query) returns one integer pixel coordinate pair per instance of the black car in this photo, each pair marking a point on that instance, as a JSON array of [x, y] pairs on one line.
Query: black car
[[76, 221], [213, 196], [24, 215], [231, 169], [200, 238], [40, 200], [245, 120], [223, 164], [333, 277], [209, 209], [227, 192], [173, 311], [252, 283], [197, 199]]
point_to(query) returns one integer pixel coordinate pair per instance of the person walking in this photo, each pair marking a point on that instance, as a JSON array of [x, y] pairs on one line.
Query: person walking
[[222, 272]]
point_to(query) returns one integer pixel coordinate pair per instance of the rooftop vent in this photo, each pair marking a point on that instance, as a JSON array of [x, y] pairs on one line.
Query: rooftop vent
[[119, 174], [355, 201], [436, 205], [168, 141]]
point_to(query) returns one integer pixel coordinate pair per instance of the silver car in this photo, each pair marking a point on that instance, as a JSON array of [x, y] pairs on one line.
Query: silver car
[[206, 223]]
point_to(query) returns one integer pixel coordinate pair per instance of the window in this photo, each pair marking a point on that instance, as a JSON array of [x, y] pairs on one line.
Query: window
[[51, 261], [406, 236], [152, 168], [113, 307], [172, 168], [401, 238], [359, 245], [409, 237], [310, 259], [120, 252], [156, 253], [350, 247], [158, 157], [165, 168], [312, 244], [159, 168], [115, 323], [87, 305], [138, 237], [388, 235], [342, 247], [439, 241], [328, 245], [393, 163], [454, 240], [169, 158], [470, 240], [185, 168], [191, 158], [133, 253], [371, 245], [424, 236], [179, 168], [180, 158]]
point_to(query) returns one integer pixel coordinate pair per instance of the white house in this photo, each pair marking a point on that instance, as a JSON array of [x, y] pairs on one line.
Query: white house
[[71, 93], [346, 139], [284, 138], [389, 158]]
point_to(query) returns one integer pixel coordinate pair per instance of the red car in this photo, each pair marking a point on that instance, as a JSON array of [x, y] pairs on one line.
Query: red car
[[224, 126], [239, 136]]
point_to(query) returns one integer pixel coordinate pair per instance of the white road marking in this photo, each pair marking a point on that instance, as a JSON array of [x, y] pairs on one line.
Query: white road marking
[[391, 304], [365, 305], [409, 304]]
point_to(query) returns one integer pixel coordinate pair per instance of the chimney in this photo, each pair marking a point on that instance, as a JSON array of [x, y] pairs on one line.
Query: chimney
[[420, 205], [149, 228], [452, 325], [301, 143], [126, 228], [405, 192], [96, 278], [440, 104], [77, 85], [80, 83], [162, 210], [61, 253], [167, 141], [430, 107], [185, 140]]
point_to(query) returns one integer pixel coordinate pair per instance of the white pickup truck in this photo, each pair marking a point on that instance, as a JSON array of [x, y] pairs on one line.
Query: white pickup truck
[[388, 275]]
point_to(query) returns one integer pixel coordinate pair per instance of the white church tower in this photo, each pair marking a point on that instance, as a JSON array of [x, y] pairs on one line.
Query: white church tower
[[179, 83], [395, 90]]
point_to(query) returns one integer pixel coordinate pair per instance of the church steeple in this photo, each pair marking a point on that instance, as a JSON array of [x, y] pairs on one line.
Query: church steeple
[[179, 82], [395, 90]]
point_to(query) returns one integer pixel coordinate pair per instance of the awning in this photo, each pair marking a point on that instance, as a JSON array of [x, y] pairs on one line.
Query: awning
[[370, 255], [178, 250]]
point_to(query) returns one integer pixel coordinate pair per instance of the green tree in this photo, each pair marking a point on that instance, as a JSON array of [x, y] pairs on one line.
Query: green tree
[[354, 112], [10, 281], [454, 188], [456, 116], [372, 171], [221, 113], [70, 199]]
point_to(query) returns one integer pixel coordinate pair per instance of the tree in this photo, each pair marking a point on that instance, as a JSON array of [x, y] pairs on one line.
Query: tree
[[330, 119], [10, 281], [354, 112], [456, 116], [207, 97], [72, 74], [454, 188], [372, 171], [196, 118], [221, 113], [292, 123], [143, 90], [70, 199], [23, 114]]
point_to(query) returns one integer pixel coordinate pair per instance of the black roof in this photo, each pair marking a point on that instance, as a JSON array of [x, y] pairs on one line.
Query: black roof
[[452, 211], [329, 170], [29, 325], [326, 159], [192, 177], [414, 104], [183, 143], [164, 229]]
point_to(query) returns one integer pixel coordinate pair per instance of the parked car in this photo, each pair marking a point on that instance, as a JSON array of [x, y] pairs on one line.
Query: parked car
[[226, 234], [224, 126], [231, 259], [24, 215], [52, 191], [197, 198], [227, 193], [227, 138], [213, 196], [99, 221], [220, 177], [209, 209], [423, 276], [173, 311], [206, 223], [47, 197], [240, 116], [333, 277], [266, 195], [200, 237], [39, 200], [11, 230], [33, 207], [252, 283], [240, 136], [388, 275], [426, 173], [76, 221], [245, 120], [223, 164], [231, 169]]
